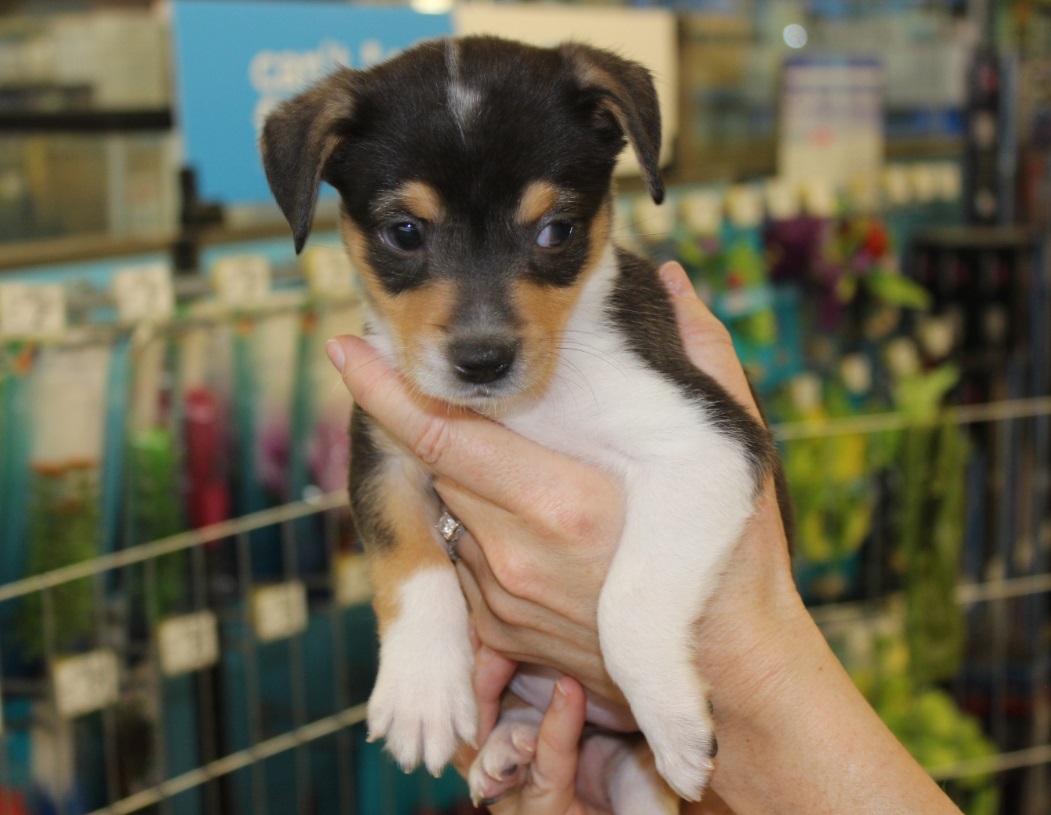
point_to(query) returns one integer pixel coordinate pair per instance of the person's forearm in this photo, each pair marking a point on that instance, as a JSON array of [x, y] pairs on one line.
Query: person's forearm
[[803, 740]]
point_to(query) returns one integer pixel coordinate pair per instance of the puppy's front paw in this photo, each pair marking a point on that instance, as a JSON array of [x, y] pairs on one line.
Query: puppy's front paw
[[684, 747], [503, 762], [423, 710]]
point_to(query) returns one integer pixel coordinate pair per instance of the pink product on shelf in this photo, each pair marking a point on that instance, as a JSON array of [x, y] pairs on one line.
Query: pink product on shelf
[[329, 455], [274, 452], [207, 486]]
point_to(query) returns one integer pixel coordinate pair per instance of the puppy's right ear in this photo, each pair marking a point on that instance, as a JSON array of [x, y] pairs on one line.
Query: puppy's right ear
[[297, 141]]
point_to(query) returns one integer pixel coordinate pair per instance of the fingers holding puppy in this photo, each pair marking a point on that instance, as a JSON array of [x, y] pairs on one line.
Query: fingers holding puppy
[[496, 464]]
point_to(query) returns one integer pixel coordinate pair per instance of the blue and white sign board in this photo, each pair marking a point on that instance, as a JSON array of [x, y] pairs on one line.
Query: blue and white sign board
[[236, 59]]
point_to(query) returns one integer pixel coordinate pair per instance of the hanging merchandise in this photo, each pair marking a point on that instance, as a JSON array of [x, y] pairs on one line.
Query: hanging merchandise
[[932, 469], [833, 487], [154, 509], [65, 521], [745, 302], [321, 406], [204, 376], [277, 354], [54, 788], [17, 361]]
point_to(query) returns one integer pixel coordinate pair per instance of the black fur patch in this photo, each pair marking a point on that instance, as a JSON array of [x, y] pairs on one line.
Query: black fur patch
[[639, 307]]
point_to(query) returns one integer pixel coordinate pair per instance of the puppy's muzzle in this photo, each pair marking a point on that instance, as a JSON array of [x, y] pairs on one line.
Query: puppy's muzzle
[[482, 361]]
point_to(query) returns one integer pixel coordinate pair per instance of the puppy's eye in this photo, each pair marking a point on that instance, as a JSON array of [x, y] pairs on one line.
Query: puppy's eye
[[554, 234], [405, 236]]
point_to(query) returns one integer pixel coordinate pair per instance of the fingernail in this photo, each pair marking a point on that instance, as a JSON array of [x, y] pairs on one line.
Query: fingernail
[[558, 699], [674, 278], [335, 354]]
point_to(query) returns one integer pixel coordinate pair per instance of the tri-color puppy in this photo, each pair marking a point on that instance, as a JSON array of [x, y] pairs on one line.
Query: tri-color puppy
[[475, 178]]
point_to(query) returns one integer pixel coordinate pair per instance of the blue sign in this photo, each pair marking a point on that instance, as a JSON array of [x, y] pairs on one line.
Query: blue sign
[[236, 60]]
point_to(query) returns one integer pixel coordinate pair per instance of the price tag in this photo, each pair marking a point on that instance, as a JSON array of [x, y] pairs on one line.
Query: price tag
[[242, 282], [819, 199], [188, 643], [896, 186], [328, 271], [924, 182], [279, 611], [782, 200], [744, 205], [353, 586], [702, 212], [144, 293], [948, 181], [86, 682], [32, 311]]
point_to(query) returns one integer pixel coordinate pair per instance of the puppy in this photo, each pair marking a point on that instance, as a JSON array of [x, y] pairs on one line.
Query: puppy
[[475, 179]]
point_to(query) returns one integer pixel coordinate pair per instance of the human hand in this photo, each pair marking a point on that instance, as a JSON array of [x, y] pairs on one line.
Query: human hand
[[564, 777], [548, 525]]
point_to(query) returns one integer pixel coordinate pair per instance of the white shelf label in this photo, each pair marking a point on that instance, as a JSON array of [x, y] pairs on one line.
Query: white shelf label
[[243, 282], [744, 205], [279, 611], [353, 586], [86, 682], [924, 182], [144, 293], [328, 271], [32, 311], [188, 643], [702, 212], [896, 186]]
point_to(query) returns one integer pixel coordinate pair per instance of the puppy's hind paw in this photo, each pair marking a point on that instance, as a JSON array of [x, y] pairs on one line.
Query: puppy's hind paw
[[503, 762]]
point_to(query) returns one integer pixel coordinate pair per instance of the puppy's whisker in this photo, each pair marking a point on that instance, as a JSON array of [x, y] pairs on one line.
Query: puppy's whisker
[[583, 384], [602, 356]]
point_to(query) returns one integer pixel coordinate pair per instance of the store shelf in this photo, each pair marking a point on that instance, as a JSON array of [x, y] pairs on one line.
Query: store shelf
[[86, 121]]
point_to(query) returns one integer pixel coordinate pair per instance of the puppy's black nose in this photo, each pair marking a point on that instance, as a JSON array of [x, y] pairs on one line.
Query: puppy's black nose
[[481, 361]]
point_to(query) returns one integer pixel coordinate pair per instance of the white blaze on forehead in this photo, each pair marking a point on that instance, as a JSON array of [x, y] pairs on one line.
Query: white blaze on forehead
[[463, 100]]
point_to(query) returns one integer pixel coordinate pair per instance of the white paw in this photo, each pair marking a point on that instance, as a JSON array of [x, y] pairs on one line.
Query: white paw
[[503, 762], [684, 747], [422, 714]]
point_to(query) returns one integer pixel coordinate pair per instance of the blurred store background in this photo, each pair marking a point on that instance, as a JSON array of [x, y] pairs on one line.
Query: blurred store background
[[862, 192]]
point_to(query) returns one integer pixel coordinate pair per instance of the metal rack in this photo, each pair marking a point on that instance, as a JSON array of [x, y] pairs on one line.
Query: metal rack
[[238, 777]]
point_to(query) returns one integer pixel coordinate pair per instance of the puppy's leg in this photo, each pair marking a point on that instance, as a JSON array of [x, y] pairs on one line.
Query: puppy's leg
[[502, 764], [683, 520], [423, 701]]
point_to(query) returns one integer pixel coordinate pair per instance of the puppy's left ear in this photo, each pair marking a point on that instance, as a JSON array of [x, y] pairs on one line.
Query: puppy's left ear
[[625, 91], [298, 139]]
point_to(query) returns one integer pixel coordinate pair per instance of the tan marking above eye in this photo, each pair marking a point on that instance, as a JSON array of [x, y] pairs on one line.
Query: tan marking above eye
[[537, 200], [418, 199]]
